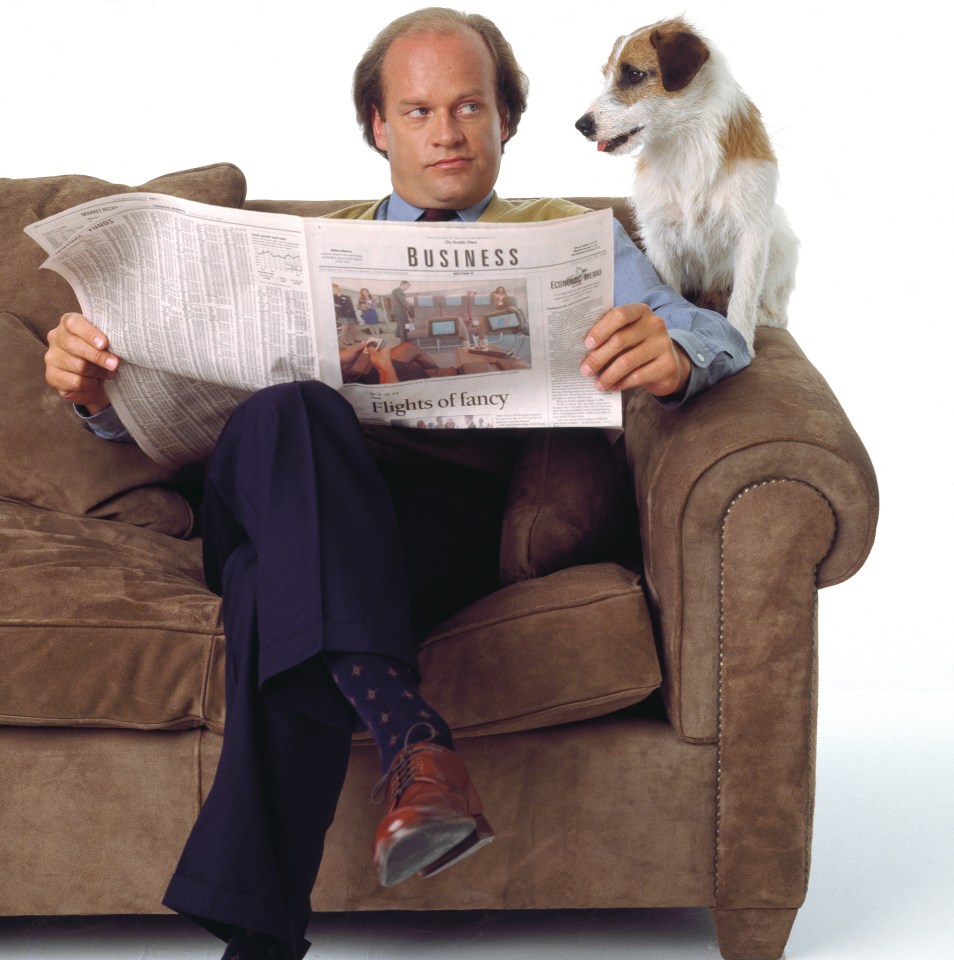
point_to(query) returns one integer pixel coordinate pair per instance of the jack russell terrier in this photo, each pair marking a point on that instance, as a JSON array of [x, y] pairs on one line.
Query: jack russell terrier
[[706, 174]]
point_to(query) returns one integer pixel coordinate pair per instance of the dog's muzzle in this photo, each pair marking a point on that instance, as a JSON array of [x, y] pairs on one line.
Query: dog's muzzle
[[587, 126]]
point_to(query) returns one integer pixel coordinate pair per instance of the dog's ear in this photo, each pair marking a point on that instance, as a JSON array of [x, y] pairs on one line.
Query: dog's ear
[[680, 54]]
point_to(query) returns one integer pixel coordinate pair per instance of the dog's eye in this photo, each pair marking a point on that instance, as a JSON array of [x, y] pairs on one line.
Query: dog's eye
[[631, 76]]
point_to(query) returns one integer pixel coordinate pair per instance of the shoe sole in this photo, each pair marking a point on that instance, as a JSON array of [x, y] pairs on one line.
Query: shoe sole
[[418, 849], [482, 835]]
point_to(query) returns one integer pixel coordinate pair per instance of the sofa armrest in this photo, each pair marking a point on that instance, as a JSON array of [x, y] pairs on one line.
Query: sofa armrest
[[751, 496], [771, 445]]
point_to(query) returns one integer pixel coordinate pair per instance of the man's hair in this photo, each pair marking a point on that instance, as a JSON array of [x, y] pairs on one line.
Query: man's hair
[[368, 87]]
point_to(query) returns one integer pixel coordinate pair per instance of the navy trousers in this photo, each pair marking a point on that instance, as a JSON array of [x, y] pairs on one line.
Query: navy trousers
[[309, 541]]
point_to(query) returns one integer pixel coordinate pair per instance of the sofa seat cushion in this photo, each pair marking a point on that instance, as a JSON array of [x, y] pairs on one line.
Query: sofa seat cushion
[[527, 656], [105, 624]]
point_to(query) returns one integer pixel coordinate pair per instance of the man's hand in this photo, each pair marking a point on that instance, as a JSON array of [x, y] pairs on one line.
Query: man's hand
[[381, 360], [630, 347], [347, 355], [78, 362]]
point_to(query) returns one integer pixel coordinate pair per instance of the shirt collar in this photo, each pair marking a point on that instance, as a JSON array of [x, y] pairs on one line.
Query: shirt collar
[[397, 208]]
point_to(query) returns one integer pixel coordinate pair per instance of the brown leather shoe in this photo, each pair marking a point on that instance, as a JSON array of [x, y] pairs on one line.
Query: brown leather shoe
[[434, 816]]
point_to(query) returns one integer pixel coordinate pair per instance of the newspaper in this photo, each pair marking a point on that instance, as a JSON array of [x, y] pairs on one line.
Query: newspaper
[[420, 324]]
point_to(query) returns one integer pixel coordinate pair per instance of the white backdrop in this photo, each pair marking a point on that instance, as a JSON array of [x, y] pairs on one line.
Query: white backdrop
[[126, 90]]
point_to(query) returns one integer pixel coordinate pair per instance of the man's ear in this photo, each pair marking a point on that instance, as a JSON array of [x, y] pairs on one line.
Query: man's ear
[[504, 126], [380, 134]]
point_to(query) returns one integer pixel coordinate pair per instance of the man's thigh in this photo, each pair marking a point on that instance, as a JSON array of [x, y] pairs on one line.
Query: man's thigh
[[450, 520]]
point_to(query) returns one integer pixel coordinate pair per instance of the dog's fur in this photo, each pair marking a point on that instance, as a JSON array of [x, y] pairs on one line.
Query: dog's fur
[[706, 175]]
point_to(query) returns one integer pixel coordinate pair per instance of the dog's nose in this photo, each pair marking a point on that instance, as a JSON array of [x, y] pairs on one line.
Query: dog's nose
[[585, 125]]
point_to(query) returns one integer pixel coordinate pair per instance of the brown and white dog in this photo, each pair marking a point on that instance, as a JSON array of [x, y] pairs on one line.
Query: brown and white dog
[[706, 175]]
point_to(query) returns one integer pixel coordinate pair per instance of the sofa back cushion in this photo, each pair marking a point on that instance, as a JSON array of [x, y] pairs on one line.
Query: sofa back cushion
[[41, 297], [51, 460], [47, 456]]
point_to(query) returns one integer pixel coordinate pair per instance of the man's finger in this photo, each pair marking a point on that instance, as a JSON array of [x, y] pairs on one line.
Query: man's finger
[[77, 337]]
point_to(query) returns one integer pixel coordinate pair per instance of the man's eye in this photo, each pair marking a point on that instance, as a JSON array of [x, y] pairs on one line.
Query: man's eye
[[631, 76], [418, 112], [468, 108]]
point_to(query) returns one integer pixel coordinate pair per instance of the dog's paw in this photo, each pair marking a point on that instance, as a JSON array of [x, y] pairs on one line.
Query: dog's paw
[[769, 317]]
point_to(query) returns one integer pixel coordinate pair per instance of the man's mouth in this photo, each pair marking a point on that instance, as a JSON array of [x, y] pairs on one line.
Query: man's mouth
[[450, 162], [608, 146]]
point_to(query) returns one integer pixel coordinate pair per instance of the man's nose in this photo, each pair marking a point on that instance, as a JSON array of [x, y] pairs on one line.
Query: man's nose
[[446, 129]]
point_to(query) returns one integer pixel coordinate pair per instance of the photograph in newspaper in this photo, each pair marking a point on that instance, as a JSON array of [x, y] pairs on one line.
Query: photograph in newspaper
[[426, 330], [417, 324]]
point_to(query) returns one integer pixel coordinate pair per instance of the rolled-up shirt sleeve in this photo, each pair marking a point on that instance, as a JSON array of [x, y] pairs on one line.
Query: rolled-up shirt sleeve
[[714, 347], [105, 424]]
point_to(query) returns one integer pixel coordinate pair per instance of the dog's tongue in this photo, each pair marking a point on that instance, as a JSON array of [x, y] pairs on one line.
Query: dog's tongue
[[602, 145]]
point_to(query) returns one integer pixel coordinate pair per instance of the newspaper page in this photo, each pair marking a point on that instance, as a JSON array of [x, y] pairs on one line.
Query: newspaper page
[[422, 325]]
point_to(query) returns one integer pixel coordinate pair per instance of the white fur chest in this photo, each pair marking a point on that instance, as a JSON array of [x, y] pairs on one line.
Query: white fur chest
[[692, 221]]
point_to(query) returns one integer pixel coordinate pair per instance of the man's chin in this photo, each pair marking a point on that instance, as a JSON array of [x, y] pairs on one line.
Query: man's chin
[[447, 190], [456, 189]]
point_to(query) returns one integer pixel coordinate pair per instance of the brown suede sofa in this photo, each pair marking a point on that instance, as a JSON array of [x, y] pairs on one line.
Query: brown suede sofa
[[637, 704]]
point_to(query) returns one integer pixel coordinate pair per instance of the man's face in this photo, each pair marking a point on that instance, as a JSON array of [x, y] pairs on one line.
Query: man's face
[[440, 124]]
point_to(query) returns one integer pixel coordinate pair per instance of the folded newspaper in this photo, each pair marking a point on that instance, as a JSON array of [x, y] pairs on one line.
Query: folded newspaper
[[420, 325]]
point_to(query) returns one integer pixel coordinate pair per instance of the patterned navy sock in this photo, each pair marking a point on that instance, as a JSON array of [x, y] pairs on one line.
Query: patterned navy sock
[[385, 695]]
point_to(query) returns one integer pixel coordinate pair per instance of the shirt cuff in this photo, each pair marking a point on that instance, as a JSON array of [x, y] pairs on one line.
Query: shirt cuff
[[707, 365], [105, 424]]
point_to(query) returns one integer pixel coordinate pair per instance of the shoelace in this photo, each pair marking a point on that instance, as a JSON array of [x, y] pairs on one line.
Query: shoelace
[[406, 769]]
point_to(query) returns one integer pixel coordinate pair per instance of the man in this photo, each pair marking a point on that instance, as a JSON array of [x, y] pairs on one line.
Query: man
[[312, 652], [401, 310], [344, 314]]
